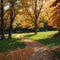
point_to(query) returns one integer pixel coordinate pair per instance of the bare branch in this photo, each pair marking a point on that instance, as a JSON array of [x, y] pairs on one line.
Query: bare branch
[[39, 11], [29, 13]]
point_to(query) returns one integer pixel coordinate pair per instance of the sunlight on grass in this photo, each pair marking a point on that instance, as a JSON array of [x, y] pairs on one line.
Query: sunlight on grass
[[42, 37]]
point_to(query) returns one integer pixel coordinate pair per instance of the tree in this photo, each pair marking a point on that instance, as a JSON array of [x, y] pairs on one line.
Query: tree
[[13, 12], [12, 15], [55, 15], [55, 3], [25, 21], [35, 9], [2, 20]]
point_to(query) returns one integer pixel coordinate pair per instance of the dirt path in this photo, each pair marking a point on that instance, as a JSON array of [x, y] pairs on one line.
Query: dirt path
[[40, 52], [33, 51]]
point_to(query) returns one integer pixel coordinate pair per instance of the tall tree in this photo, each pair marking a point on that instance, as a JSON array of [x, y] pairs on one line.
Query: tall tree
[[36, 7], [2, 20], [12, 15], [13, 8]]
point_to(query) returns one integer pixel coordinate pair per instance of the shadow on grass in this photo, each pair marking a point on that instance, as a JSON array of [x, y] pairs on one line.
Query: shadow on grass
[[57, 35], [50, 42], [30, 35], [11, 44]]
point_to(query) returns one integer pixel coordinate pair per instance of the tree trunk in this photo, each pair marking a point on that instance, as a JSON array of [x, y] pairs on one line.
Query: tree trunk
[[58, 30], [10, 31], [35, 31], [35, 27], [11, 21], [2, 20], [12, 16]]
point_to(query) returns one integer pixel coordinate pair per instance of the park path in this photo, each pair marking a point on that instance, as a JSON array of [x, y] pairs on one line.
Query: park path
[[40, 51], [33, 51]]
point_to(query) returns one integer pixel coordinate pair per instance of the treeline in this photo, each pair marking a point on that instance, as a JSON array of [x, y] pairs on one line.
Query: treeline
[[31, 15]]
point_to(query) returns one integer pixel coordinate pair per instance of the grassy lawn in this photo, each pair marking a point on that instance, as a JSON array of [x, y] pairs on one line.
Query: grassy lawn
[[43, 38], [7, 45], [40, 35]]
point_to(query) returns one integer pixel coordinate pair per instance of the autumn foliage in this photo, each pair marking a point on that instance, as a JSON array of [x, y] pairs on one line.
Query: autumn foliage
[[32, 14], [55, 15]]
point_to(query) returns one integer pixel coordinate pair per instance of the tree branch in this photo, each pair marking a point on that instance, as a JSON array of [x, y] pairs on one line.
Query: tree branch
[[29, 13]]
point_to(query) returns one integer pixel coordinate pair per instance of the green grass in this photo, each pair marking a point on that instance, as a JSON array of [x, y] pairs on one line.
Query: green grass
[[50, 42], [42, 37], [11, 44]]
